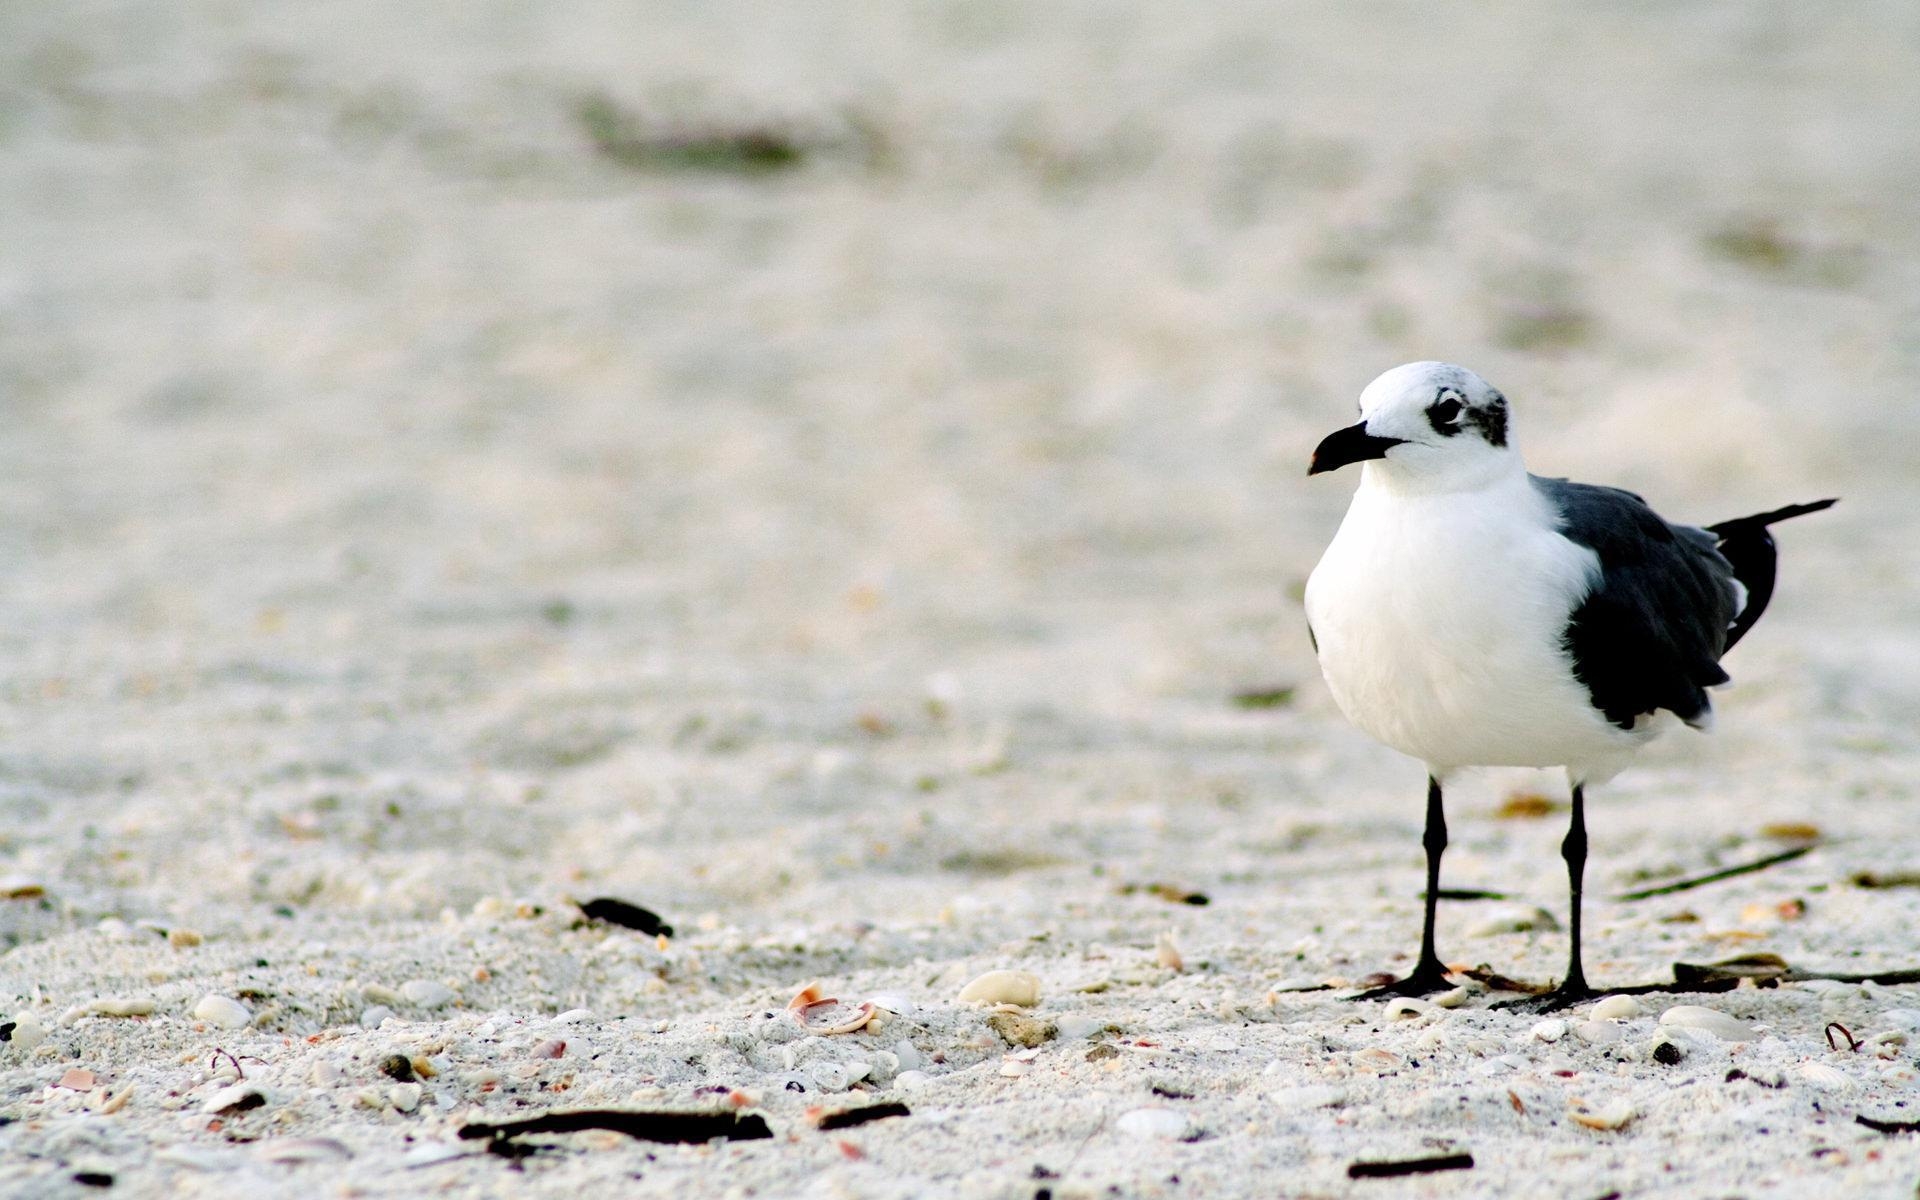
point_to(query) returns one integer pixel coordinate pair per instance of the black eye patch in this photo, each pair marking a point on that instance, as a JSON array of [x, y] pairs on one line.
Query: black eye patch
[[1444, 414]]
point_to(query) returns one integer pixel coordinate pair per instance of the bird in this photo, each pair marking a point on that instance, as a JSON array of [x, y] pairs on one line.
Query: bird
[[1468, 613]]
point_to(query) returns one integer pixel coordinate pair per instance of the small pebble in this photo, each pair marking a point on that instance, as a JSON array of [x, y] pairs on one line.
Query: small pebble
[[1018, 988], [397, 1067], [181, 939], [574, 1016], [1078, 1025], [1152, 1123], [1018, 1030], [1550, 1030], [405, 1096], [1616, 1008], [426, 993], [908, 1081], [1709, 1020], [1456, 996], [1667, 1053], [551, 1048], [223, 1011]]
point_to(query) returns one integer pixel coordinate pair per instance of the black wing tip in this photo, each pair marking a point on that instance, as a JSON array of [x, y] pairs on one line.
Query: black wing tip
[[1762, 520]]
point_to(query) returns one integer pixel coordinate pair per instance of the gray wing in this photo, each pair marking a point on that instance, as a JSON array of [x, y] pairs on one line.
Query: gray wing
[[1651, 633]]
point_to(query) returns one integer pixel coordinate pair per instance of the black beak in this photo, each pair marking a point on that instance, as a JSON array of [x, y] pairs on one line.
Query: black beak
[[1350, 445]]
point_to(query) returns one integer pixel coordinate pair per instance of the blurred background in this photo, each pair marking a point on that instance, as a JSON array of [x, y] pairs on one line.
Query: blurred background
[[744, 456]]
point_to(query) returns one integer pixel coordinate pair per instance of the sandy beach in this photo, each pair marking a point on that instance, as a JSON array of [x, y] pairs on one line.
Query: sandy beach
[[834, 476]]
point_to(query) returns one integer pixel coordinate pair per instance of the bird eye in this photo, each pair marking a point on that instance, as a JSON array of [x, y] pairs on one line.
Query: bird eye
[[1445, 412]]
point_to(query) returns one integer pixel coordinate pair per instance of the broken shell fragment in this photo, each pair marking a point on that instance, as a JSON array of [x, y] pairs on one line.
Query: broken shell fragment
[[1167, 953], [1613, 1116], [1018, 988]]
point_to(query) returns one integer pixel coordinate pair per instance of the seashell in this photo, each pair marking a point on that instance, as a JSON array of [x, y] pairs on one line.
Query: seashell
[[1709, 1020], [574, 1016], [1550, 1030], [115, 1102], [1824, 1077], [843, 1020], [1078, 1025], [223, 1011], [1018, 988], [807, 997], [1375, 1059], [110, 1006], [1015, 1068], [831, 1076], [303, 1150], [894, 1003], [1406, 1008], [1613, 1116], [1454, 997], [1598, 1033], [77, 1079], [1906, 1019], [1616, 1008], [27, 1033], [238, 1097], [1162, 1123], [1167, 954], [909, 1081], [405, 1096]]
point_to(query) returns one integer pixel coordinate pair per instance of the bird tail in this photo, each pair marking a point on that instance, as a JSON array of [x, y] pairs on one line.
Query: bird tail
[[1747, 546]]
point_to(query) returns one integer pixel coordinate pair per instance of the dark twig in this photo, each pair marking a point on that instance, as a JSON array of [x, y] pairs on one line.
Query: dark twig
[[1468, 894], [847, 1118], [1853, 1043], [1410, 1166], [647, 1126], [631, 916], [1668, 889], [219, 1054], [1889, 1126]]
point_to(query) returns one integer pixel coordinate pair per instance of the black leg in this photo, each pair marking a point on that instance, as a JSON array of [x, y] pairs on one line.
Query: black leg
[[1574, 850], [1429, 974], [1573, 989]]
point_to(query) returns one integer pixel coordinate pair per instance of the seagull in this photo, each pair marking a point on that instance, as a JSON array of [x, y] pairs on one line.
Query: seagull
[[1470, 614]]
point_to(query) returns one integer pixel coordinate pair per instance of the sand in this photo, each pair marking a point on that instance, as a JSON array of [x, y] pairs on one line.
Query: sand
[[429, 499]]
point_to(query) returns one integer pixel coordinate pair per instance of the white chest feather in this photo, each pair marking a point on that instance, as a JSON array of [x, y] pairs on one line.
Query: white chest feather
[[1440, 619]]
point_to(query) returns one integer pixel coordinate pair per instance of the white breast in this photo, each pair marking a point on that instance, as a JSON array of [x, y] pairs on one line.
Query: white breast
[[1440, 620]]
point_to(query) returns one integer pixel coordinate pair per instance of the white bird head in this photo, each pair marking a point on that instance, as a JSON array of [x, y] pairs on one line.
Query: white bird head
[[1429, 425]]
